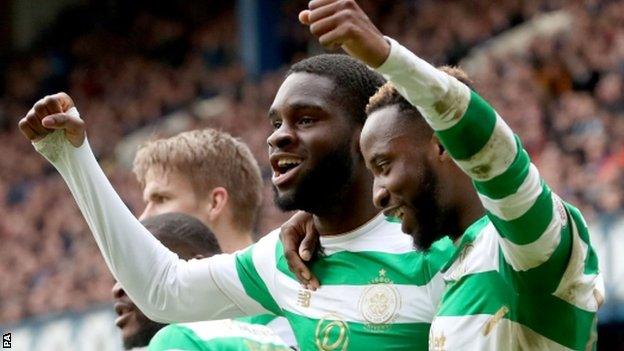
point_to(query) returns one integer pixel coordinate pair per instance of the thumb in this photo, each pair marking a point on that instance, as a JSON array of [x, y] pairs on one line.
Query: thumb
[[70, 122], [304, 17]]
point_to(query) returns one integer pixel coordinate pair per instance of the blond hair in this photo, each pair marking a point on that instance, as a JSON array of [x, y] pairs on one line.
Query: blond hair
[[209, 158]]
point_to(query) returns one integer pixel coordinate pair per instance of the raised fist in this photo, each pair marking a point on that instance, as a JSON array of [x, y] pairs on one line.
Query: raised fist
[[50, 113], [343, 23]]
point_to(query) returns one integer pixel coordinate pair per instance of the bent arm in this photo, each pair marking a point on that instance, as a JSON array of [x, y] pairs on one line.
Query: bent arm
[[164, 287], [530, 220]]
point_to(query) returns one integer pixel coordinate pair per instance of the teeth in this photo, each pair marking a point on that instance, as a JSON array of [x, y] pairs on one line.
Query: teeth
[[398, 212], [285, 162]]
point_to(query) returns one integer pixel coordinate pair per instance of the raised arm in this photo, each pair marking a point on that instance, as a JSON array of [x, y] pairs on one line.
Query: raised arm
[[164, 287], [531, 221]]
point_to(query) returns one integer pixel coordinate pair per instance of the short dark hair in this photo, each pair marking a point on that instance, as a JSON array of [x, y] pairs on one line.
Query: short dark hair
[[355, 82], [180, 230]]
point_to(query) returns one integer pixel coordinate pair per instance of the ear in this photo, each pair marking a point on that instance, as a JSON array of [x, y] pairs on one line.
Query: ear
[[441, 153], [217, 202], [357, 133], [199, 256]]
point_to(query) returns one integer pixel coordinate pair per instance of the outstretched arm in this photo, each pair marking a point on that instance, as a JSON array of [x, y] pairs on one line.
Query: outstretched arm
[[164, 287]]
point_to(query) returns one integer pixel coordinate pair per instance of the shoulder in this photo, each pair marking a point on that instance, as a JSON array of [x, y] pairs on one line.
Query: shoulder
[[173, 336]]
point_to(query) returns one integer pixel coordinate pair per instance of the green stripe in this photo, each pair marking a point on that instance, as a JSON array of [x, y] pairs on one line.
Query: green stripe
[[509, 181], [531, 225], [481, 293], [339, 335], [175, 336], [182, 338], [591, 260], [473, 130], [544, 278], [260, 319], [547, 315], [360, 268], [252, 282]]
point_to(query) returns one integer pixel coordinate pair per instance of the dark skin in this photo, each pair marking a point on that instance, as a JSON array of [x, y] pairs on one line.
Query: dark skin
[[399, 148], [342, 23], [310, 123], [136, 329]]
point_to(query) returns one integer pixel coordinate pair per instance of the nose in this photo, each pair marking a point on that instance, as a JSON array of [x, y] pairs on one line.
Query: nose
[[281, 137], [118, 291], [146, 212], [381, 196]]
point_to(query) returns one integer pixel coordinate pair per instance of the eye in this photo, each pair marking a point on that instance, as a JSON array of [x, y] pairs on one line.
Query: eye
[[383, 167], [276, 124], [306, 120], [159, 199]]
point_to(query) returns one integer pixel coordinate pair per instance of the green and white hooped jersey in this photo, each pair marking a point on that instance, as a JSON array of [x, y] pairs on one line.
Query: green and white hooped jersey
[[525, 276], [223, 335], [376, 290]]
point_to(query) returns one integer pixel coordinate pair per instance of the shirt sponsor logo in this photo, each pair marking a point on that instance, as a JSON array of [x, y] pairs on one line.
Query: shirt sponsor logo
[[332, 333]]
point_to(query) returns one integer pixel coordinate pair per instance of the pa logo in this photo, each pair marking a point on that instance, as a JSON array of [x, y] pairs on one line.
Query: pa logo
[[6, 341]]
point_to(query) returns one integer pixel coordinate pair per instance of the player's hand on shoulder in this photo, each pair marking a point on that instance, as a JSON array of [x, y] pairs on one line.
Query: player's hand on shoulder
[[51, 113], [300, 240], [343, 23]]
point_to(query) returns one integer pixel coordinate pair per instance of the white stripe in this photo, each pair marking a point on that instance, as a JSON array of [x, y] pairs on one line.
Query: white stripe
[[211, 330], [263, 257], [577, 288], [440, 98], [517, 204], [527, 256], [414, 304], [377, 235], [469, 333], [223, 269], [478, 257], [495, 157]]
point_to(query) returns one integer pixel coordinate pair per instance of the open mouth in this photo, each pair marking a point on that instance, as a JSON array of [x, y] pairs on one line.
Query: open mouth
[[395, 211], [285, 168]]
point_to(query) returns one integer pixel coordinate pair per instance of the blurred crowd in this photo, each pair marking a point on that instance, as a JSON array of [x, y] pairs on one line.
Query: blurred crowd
[[563, 96]]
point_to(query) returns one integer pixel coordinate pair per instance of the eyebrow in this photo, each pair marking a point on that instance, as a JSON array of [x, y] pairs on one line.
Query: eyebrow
[[298, 106]]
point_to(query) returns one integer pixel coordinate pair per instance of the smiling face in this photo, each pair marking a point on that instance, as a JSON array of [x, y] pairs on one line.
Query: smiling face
[[312, 148], [402, 157]]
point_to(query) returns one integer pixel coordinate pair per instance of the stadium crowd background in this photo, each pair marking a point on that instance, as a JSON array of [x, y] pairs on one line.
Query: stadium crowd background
[[563, 95]]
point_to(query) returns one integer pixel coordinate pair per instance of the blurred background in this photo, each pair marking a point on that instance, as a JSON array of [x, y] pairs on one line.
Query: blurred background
[[553, 69]]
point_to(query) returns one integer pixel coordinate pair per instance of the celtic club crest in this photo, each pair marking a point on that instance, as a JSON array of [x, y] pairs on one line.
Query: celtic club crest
[[379, 301]]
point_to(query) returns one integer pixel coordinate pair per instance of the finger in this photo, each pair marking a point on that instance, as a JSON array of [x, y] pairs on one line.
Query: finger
[[314, 4], [35, 124], [25, 128], [324, 11], [296, 265], [70, 122], [53, 104], [304, 17], [309, 243], [335, 37], [64, 100], [324, 25]]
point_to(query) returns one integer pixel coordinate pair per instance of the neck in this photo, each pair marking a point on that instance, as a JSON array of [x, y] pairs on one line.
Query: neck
[[230, 238], [353, 210], [467, 207]]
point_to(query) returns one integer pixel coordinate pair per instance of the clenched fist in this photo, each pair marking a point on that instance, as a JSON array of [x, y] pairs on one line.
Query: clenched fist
[[343, 23], [50, 113]]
